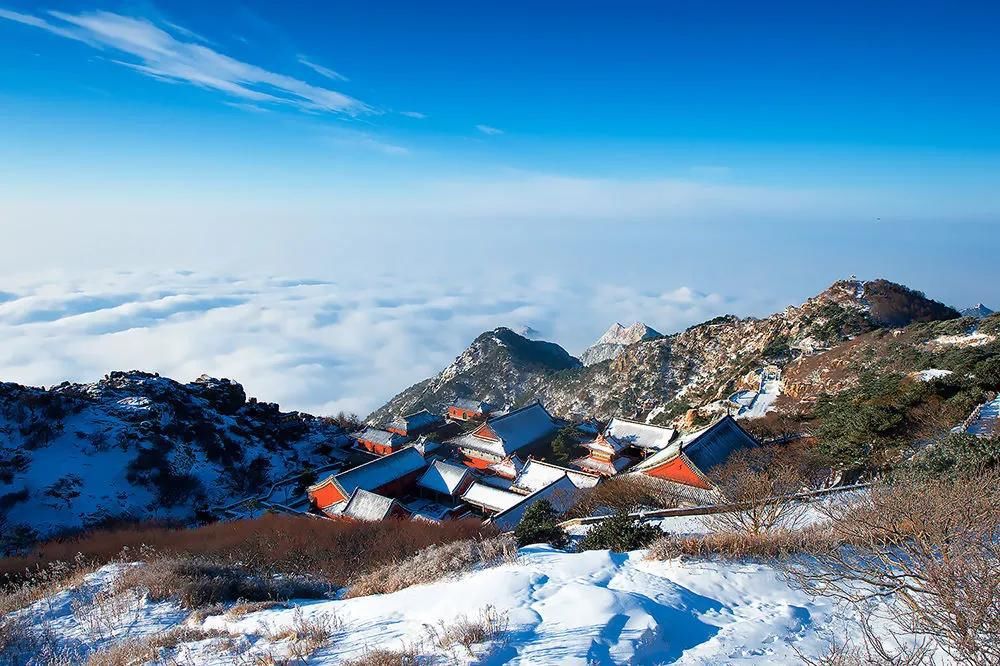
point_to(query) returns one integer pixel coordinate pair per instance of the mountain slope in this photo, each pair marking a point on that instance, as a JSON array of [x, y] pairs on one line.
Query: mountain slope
[[139, 446], [500, 367], [615, 340], [703, 363]]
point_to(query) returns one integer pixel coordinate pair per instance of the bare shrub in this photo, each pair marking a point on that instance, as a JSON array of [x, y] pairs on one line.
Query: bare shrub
[[407, 655], [273, 544], [22, 642], [624, 493], [16, 639], [199, 581], [489, 626], [43, 581], [773, 544], [306, 634], [105, 610], [434, 563], [923, 560], [148, 648], [751, 480]]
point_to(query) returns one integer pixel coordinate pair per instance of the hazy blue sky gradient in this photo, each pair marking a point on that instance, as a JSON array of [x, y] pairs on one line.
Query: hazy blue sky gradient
[[733, 147]]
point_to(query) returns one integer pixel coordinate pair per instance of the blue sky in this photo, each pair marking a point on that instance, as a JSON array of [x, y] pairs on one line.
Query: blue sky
[[653, 143]]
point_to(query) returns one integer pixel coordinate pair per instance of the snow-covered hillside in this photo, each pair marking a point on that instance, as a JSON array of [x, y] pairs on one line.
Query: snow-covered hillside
[[139, 446], [594, 607]]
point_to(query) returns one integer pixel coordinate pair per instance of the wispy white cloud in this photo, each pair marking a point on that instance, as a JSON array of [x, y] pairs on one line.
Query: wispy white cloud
[[245, 106], [347, 137], [312, 345], [173, 54], [489, 130], [413, 114], [321, 70]]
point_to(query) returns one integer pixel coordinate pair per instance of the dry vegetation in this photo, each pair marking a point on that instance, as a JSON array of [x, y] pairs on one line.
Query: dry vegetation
[[333, 551], [929, 549], [774, 544], [491, 625], [434, 563], [624, 493], [148, 648], [751, 480], [199, 581]]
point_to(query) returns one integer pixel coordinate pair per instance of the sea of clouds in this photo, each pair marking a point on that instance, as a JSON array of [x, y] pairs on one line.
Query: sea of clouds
[[313, 345]]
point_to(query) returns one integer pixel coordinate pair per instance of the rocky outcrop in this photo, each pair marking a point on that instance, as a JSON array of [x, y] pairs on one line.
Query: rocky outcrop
[[138, 446], [615, 340]]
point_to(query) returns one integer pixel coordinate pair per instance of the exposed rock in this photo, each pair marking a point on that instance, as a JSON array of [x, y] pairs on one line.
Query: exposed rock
[[138, 446], [615, 340]]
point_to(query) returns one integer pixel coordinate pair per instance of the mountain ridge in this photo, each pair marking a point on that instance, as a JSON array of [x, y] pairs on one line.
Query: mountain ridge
[[700, 364]]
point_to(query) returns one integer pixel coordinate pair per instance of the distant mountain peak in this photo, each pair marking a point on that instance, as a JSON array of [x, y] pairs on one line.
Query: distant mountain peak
[[615, 340], [979, 311], [627, 335]]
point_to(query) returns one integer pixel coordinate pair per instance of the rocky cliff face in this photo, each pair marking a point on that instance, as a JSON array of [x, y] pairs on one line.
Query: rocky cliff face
[[139, 446], [666, 374], [615, 340]]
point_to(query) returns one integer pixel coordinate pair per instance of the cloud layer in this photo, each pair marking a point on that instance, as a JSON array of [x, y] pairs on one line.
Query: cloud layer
[[170, 53], [312, 345]]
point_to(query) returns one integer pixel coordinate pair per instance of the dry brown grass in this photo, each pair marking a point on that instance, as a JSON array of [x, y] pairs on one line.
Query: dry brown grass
[[42, 582], [246, 607], [489, 626], [148, 648], [625, 493], [408, 655], [306, 634], [434, 563], [775, 544], [276, 544], [198, 581]]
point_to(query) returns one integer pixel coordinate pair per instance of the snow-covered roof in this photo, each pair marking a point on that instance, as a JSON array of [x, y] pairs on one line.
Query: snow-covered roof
[[368, 506], [714, 446], [511, 432], [490, 498], [538, 474], [561, 494], [426, 446], [641, 435], [444, 478], [375, 474], [705, 448], [377, 436], [607, 468], [607, 444], [473, 405], [508, 467], [414, 421]]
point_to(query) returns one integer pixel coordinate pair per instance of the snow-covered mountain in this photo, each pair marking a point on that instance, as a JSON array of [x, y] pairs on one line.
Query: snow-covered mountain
[[615, 340], [136, 445], [499, 367], [665, 375], [979, 311]]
